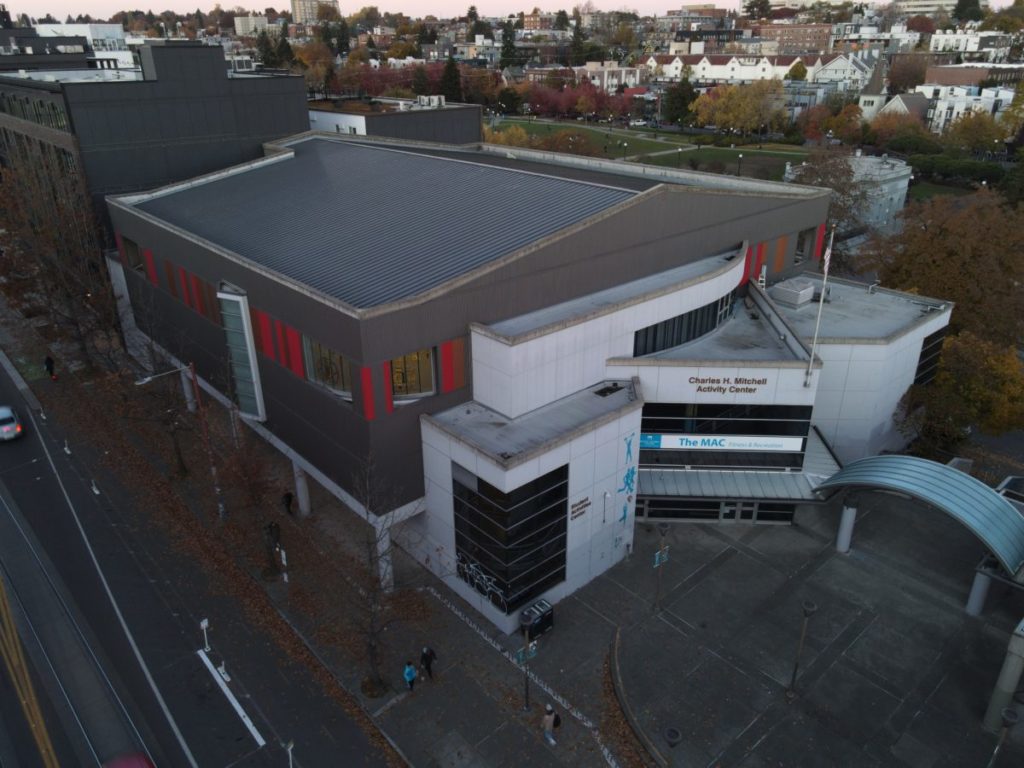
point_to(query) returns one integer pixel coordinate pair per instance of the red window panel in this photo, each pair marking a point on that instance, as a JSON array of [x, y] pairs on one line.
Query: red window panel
[[150, 266], [120, 245], [366, 380], [819, 241], [458, 363], [760, 261], [282, 349], [266, 341], [183, 275], [447, 368], [389, 397], [198, 299], [295, 357]]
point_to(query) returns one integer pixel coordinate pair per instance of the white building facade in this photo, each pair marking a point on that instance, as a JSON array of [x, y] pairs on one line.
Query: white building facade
[[950, 102], [590, 406]]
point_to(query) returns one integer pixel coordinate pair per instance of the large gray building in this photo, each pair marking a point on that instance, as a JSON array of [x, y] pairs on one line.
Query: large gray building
[[534, 349], [181, 115]]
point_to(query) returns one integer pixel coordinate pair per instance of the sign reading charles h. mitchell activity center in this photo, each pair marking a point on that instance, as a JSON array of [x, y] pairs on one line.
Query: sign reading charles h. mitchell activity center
[[720, 443], [722, 385]]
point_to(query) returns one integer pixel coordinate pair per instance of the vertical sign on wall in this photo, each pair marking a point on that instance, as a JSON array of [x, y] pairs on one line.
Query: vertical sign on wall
[[626, 492]]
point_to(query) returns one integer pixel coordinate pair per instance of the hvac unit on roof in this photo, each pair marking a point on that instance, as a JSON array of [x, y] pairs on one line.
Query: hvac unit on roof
[[794, 292]]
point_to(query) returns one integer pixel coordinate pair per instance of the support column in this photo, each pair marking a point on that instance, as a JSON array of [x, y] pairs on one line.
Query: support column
[[846, 529], [188, 388], [301, 490], [1009, 677], [384, 566], [979, 591]]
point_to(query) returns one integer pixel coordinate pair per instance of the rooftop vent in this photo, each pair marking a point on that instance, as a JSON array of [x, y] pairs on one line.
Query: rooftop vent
[[611, 389], [794, 292]]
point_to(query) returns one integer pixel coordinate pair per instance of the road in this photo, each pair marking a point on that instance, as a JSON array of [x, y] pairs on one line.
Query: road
[[110, 622]]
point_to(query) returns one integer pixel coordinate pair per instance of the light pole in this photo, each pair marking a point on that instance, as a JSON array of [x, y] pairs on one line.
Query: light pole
[[809, 608], [201, 411], [1010, 718], [739, 164], [524, 623], [679, 157], [624, 145]]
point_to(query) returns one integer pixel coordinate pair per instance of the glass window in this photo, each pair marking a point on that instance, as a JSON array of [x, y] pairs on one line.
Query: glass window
[[132, 254], [928, 362], [682, 328], [327, 368], [412, 375], [804, 244], [511, 546], [248, 392]]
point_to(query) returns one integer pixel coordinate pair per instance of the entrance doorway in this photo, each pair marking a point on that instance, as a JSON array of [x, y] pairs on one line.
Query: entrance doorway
[[730, 511]]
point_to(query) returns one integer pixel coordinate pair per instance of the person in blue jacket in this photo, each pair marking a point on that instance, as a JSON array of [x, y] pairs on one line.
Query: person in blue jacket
[[410, 675]]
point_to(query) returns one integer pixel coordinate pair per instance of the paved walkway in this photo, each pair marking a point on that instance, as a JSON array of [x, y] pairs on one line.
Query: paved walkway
[[893, 672]]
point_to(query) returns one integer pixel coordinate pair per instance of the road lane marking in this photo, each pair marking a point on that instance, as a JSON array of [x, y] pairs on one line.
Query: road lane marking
[[117, 609], [246, 721]]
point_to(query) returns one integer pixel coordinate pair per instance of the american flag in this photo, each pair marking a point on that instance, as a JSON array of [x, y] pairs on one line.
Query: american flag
[[828, 255]]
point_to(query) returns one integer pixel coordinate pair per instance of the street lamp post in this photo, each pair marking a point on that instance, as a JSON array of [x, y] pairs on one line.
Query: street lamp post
[[201, 411], [1010, 718], [624, 145], [679, 157], [739, 164], [524, 623], [809, 608]]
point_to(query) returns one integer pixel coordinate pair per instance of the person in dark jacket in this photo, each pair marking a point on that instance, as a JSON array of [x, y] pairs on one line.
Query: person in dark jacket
[[427, 659]]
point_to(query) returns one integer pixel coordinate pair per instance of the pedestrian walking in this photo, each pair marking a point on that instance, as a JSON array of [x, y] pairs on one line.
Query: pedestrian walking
[[48, 364], [410, 675], [427, 659], [550, 722]]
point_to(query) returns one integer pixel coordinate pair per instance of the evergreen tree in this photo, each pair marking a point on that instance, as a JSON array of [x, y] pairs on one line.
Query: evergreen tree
[[968, 10], [509, 56], [678, 99], [265, 49], [561, 20], [285, 55], [471, 15], [342, 33], [578, 49], [759, 9], [451, 81], [420, 81]]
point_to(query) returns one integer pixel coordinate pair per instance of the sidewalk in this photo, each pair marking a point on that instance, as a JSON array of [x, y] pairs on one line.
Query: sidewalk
[[893, 672]]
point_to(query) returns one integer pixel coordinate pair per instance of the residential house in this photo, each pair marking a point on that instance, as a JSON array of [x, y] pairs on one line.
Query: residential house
[[972, 45]]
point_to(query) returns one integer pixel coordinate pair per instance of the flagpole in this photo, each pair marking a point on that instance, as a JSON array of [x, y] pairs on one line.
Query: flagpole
[[821, 305]]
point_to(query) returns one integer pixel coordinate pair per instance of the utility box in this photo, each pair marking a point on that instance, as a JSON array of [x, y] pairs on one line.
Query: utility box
[[537, 619]]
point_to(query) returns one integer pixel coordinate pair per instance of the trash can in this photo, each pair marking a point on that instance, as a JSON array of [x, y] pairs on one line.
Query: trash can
[[538, 619]]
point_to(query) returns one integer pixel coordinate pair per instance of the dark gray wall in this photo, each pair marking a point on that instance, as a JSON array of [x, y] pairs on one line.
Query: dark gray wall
[[639, 240], [192, 119], [451, 125], [647, 237]]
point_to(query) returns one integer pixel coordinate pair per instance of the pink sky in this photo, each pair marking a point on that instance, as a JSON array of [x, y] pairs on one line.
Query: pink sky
[[414, 8]]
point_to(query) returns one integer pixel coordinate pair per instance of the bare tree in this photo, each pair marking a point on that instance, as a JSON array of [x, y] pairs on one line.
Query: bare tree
[[53, 244], [832, 169]]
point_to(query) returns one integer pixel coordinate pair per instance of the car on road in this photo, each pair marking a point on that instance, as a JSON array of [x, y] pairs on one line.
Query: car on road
[[10, 425]]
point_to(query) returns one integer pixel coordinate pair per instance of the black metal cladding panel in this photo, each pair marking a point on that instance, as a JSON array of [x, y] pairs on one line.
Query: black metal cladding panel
[[370, 225]]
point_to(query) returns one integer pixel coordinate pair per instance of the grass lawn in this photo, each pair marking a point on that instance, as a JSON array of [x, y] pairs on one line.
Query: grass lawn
[[758, 164], [922, 190], [599, 137]]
